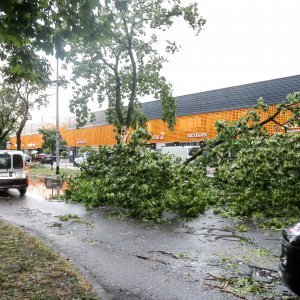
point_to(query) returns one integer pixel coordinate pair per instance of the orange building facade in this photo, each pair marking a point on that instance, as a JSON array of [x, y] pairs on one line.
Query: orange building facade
[[188, 130], [196, 115]]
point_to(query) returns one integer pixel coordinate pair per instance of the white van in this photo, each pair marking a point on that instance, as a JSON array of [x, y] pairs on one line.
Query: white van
[[183, 152], [13, 171]]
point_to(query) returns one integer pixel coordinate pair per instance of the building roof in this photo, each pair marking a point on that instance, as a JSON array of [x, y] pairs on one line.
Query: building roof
[[242, 96], [237, 97]]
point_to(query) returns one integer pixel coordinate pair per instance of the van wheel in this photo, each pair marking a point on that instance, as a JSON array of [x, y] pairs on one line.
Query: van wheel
[[23, 191]]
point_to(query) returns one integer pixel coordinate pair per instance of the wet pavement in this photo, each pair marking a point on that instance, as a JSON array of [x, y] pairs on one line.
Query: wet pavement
[[126, 259]]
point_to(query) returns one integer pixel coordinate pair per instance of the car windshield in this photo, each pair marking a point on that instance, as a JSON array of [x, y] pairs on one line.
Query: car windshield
[[5, 161]]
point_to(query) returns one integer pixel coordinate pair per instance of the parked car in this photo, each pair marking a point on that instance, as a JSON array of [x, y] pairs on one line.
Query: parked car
[[47, 159], [13, 171], [183, 152], [39, 156], [44, 158]]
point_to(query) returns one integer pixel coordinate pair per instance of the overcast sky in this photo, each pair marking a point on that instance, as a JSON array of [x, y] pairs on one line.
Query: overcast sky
[[244, 41]]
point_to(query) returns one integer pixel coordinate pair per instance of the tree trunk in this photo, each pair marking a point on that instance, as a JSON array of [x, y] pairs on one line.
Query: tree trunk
[[124, 135], [3, 137], [19, 132], [133, 80]]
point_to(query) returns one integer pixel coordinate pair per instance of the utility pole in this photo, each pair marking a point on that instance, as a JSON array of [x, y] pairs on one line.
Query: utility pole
[[57, 121]]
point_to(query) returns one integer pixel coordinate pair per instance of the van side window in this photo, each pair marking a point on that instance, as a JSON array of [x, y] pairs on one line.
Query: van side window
[[5, 161], [17, 161]]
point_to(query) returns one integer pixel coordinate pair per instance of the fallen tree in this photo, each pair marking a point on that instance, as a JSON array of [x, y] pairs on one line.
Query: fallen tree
[[254, 121], [257, 172], [146, 184]]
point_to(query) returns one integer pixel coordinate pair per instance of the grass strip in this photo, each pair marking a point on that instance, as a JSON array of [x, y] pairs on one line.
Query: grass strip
[[31, 270], [46, 171]]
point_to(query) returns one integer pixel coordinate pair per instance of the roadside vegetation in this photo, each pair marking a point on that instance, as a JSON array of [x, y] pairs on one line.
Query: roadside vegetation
[[30, 270], [256, 174]]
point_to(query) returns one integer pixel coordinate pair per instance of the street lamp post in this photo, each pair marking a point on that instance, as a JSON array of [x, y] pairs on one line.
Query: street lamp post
[[57, 121]]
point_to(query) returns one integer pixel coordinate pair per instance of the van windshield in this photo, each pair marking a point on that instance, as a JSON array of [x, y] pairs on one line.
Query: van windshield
[[5, 161]]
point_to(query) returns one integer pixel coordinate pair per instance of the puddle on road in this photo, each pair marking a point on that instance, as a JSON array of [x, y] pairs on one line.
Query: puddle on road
[[47, 187]]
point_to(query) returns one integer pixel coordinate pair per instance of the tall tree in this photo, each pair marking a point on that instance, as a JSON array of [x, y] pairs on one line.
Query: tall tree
[[8, 112], [49, 139], [30, 96], [126, 65], [16, 103]]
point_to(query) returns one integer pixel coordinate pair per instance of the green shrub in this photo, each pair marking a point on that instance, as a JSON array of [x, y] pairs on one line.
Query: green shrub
[[64, 154], [86, 149], [47, 151]]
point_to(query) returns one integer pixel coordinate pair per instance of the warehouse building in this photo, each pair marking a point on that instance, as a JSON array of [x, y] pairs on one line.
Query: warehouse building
[[196, 115]]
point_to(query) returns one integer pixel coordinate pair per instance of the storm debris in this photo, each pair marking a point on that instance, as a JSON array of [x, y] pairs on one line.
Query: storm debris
[[152, 258]]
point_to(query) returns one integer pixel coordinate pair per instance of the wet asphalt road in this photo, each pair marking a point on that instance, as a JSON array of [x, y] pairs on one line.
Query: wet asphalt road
[[125, 259]]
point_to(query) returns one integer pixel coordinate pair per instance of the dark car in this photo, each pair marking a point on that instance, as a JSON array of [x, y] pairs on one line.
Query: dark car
[[46, 159], [39, 156]]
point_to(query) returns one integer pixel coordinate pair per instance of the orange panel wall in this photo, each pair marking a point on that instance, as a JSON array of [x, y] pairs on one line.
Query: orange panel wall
[[89, 136], [29, 141], [190, 128]]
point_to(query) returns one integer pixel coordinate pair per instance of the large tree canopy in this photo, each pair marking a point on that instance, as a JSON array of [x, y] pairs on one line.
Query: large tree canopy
[[125, 66], [27, 27], [9, 111], [17, 101], [30, 96], [28, 31]]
